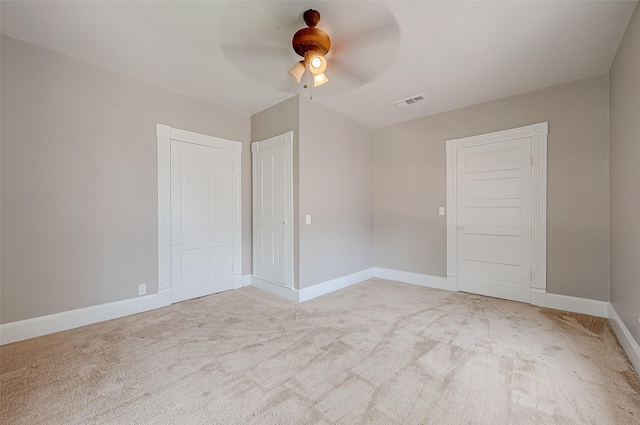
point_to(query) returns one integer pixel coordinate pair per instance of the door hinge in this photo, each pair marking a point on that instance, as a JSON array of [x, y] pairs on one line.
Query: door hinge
[[530, 275], [532, 161], [232, 168]]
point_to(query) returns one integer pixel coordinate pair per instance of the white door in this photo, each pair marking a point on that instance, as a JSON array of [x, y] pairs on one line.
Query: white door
[[272, 200], [202, 211], [494, 196]]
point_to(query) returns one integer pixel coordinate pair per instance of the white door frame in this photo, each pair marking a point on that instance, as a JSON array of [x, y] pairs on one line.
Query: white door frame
[[258, 146], [538, 134], [165, 134]]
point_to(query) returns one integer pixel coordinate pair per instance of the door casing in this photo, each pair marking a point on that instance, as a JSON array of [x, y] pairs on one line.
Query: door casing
[[538, 134]]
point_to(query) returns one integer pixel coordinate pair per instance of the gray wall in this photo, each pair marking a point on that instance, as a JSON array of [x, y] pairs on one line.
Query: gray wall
[[336, 189], [409, 183], [333, 160], [273, 121], [79, 180], [624, 78], [78, 144]]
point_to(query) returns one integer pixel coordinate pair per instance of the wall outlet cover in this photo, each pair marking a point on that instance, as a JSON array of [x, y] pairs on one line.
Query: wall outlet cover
[[142, 289]]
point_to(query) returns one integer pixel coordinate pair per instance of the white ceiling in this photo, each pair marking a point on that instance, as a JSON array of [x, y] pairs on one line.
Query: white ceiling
[[235, 54]]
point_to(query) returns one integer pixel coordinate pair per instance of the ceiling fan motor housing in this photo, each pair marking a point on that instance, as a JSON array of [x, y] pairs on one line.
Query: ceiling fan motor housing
[[311, 39]]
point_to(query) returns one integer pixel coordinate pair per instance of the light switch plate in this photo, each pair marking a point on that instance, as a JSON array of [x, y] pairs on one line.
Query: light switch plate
[[441, 211], [308, 219]]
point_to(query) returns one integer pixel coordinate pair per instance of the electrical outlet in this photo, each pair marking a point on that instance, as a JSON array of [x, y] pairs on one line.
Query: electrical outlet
[[142, 289]]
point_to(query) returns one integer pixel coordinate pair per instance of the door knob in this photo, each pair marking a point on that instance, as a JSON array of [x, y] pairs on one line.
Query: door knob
[[460, 230]]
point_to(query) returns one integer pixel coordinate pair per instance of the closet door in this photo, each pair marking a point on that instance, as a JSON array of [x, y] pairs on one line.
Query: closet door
[[272, 209], [202, 211]]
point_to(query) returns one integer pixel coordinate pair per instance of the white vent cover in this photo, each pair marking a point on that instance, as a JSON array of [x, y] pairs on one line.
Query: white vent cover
[[410, 100]]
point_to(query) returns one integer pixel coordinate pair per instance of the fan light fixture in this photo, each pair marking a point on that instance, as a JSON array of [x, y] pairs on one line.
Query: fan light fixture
[[312, 44], [316, 62], [297, 70], [317, 66], [319, 80]]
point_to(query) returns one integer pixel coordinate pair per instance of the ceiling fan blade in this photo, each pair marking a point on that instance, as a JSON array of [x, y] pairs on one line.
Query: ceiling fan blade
[[243, 52], [365, 47], [256, 38], [351, 74], [372, 37], [286, 15], [373, 27], [257, 23], [261, 47]]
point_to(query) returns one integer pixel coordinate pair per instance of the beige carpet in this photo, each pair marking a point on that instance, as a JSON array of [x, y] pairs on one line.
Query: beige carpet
[[379, 352]]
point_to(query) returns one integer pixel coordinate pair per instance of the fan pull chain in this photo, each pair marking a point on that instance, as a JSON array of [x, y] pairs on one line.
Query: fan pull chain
[[308, 86]]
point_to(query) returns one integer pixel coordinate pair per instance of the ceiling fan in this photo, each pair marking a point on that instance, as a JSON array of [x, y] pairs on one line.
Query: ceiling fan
[[363, 44], [312, 44]]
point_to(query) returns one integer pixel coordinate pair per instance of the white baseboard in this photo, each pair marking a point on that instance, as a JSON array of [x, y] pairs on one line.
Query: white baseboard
[[279, 290], [238, 281], [315, 291], [429, 281], [52, 323], [311, 292], [38, 326], [538, 297], [577, 305], [625, 338]]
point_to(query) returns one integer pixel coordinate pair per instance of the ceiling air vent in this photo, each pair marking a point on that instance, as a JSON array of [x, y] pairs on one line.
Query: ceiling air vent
[[410, 100]]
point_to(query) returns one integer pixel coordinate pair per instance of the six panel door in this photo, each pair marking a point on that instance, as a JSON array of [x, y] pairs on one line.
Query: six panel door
[[269, 214]]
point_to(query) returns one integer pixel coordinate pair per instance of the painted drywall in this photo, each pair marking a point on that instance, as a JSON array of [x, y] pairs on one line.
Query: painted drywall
[[273, 121], [409, 183], [79, 179], [624, 115], [336, 178]]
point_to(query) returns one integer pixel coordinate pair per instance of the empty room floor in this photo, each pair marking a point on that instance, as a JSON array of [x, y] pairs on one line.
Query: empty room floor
[[379, 352]]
